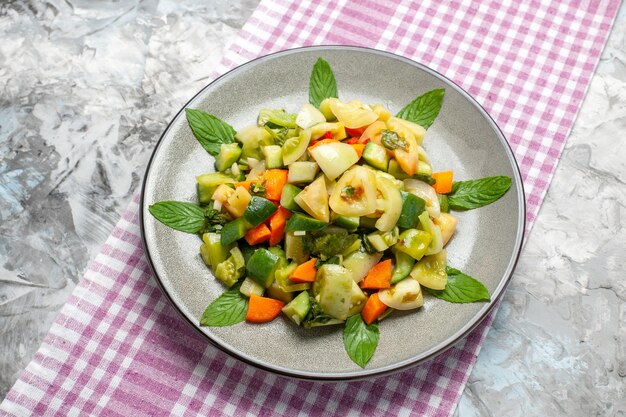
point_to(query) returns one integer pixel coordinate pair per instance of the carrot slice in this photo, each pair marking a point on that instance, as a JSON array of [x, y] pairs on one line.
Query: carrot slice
[[274, 180], [263, 309], [304, 272], [358, 147], [373, 308], [443, 181], [379, 277], [258, 234], [278, 221]]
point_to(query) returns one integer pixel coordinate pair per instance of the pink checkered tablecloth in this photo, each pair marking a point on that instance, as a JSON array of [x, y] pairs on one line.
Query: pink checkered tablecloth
[[117, 348]]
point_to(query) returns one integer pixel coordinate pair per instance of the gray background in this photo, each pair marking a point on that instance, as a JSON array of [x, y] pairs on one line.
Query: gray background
[[79, 116]]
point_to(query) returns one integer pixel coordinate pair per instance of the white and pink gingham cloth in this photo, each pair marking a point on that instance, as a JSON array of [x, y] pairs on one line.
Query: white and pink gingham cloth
[[118, 349]]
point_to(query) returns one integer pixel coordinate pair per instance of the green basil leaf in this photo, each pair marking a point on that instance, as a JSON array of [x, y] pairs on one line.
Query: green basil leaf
[[461, 288], [322, 84], [424, 109], [228, 309], [210, 131], [182, 216], [360, 339], [467, 195]]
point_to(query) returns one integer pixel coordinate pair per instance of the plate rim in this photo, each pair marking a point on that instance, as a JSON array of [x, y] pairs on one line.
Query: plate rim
[[361, 374]]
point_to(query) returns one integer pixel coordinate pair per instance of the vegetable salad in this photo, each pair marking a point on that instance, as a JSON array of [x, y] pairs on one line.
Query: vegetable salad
[[329, 215]]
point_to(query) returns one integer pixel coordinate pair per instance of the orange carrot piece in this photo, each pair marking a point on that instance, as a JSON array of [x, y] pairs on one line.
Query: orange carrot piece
[[274, 180], [379, 277], [358, 147], [245, 184], [373, 309], [258, 234], [278, 221], [263, 309], [304, 272], [443, 181]]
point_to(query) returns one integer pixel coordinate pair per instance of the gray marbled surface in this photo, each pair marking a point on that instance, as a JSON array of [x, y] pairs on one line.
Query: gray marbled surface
[[87, 88]]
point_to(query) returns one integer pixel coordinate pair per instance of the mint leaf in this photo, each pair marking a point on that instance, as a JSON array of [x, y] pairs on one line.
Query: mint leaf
[[182, 216], [467, 195], [424, 109], [322, 84], [360, 339], [461, 288], [228, 309], [210, 131]]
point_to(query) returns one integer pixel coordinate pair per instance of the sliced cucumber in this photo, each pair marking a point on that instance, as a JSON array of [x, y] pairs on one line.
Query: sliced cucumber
[[212, 250], [261, 267], [394, 169], [250, 287], [298, 308], [294, 248], [273, 156], [233, 231], [290, 191], [276, 292], [302, 222], [350, 223], [376, 156], [259, 209], [412, 207]]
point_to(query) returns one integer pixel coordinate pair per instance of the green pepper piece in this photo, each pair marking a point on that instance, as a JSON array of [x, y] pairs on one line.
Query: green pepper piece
[[412, 207]]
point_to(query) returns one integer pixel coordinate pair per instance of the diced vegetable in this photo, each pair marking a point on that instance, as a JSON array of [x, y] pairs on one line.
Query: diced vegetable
[[309, 116], [430, 271], [334, 158], [300, 222], [376, 156], [426, 193], [314, 200], [233, 231], [382, 241], [227, 272], [332, 285], [250, 287], [325, 109], [406, 129], [373, 133], [273, 156], [251, 139], [444, 205], [447, 223], [263, 309], [302, 172], [294, 245], [414, 242], [259, 209], [258, 234], [337, 131], [373, 309], [358, 148], [282, 278], [355, 193], [287, 201], [276, 292], [436, 243], [237, 202], [229, 154], [378, 277], [382, 112], [293, 148], [405, 295], [402, 267], [278, 222], [207, 183], [443, 181], [213, 251], [298, 308], [328, 243], [412, 207], [261, 267], [274, 181], [350, 223], [304, 272], [360, 263]]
